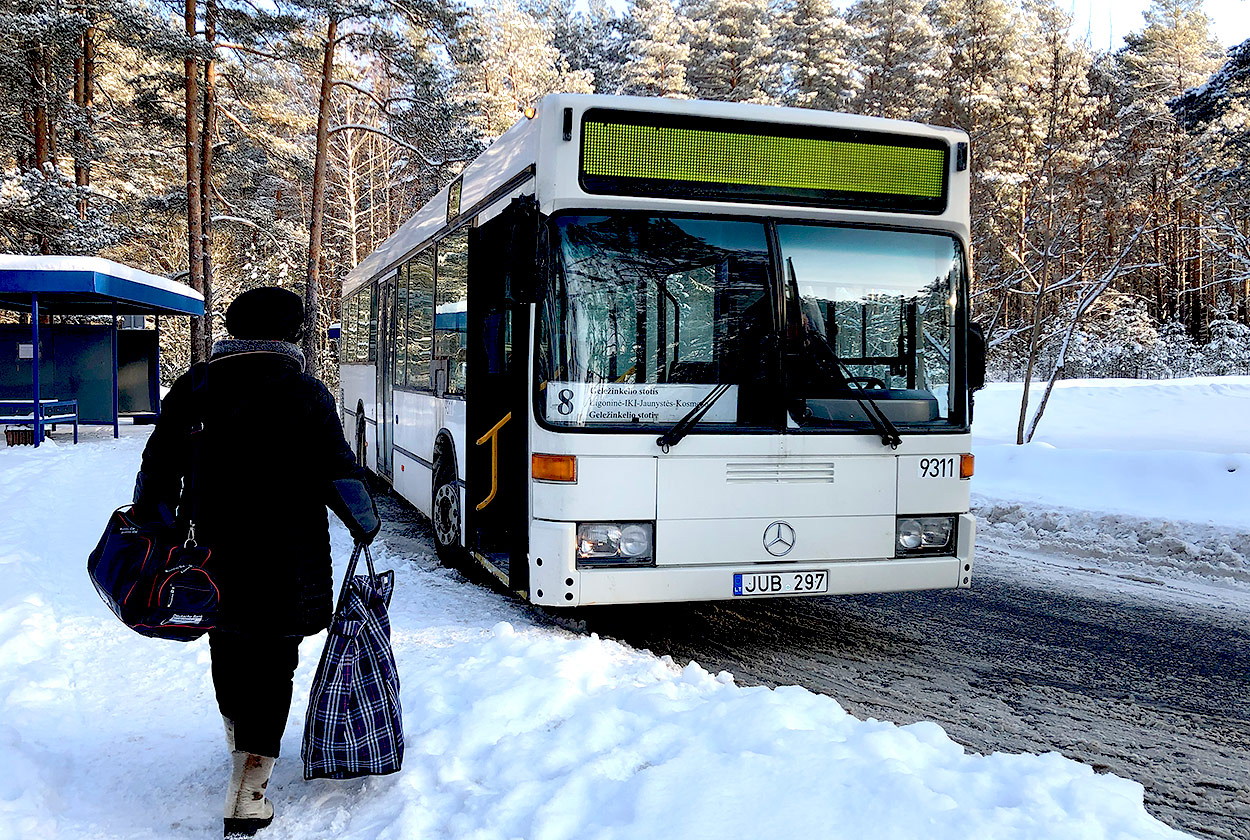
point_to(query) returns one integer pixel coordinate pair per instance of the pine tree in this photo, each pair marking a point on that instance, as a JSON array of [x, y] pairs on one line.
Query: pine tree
[[658, 57], [1172, 53], [731, 52], [593, 40], [1216, 115], [1218, 110], [48, 128], [811, 40], [608, 36], [511, 63], [900, 56], [983, 46]]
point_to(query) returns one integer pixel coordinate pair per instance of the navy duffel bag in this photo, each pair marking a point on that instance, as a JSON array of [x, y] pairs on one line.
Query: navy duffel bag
[[156, 584]]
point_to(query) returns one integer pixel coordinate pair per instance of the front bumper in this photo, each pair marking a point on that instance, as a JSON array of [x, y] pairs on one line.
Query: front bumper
[[555, 580]]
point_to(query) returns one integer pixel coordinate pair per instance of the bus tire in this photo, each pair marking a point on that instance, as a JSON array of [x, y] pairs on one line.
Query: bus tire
[[445, 513]]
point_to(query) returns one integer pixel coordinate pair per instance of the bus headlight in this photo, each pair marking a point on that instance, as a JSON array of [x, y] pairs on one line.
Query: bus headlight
[[615, 544], [924, 535]]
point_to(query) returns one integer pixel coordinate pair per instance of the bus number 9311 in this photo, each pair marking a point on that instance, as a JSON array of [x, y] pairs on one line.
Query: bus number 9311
[[945, 467]]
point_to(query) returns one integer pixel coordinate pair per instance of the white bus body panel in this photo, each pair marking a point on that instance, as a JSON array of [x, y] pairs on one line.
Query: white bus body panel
[[418, 420]]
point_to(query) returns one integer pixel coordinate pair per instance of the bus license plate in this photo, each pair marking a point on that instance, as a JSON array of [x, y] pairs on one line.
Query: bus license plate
[[780, 583]]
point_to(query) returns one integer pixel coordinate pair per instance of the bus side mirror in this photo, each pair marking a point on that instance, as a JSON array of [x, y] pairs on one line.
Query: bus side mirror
[[976, 357]]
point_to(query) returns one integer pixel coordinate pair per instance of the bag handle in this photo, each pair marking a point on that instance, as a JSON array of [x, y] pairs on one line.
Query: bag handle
[[351, 571]]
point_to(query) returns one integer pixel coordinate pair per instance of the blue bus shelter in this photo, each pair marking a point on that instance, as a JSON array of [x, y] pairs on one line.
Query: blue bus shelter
[[46, 378]]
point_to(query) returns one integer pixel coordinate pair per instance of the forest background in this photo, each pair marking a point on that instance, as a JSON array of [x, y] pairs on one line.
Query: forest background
[[236, 143]]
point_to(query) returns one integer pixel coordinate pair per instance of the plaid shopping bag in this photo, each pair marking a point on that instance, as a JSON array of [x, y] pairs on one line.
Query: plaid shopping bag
[[354, 726]]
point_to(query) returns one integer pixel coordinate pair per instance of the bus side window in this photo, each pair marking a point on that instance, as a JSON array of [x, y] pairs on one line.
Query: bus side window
[[362, 326], [420, 319], [345, 329], [451, 309], [398, 336], [372, 310]]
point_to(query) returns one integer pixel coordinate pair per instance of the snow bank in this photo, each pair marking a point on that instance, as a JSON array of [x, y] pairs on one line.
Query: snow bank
[[514, 731], [1169, 450]]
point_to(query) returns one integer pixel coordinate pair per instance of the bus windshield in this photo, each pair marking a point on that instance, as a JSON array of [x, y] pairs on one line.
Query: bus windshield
[[645, 314]]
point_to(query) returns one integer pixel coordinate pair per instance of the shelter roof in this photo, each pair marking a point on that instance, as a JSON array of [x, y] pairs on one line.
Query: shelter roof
[[91, 286]]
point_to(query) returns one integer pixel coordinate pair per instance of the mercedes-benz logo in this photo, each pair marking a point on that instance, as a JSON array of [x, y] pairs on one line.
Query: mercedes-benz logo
[[779, 538]]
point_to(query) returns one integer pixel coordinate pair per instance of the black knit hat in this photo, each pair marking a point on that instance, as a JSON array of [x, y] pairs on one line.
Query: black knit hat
[[267, 313]]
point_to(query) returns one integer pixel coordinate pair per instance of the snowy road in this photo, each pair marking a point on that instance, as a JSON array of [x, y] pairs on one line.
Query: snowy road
[[1127, 673]]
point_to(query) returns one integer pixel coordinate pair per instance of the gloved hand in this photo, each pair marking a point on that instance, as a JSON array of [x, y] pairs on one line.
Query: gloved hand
[[352, 504]]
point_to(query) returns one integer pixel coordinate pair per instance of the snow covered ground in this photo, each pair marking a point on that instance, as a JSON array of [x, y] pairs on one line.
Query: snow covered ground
[[1144, 477], [521, 731]]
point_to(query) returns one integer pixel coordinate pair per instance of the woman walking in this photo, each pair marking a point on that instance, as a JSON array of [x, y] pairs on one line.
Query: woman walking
[[272, 446]]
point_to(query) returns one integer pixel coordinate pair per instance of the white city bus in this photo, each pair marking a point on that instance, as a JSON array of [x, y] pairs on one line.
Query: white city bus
[[650, 350]]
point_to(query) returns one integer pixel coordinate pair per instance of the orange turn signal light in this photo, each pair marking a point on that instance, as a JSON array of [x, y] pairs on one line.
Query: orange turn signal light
[[966, 462], [554, 467]]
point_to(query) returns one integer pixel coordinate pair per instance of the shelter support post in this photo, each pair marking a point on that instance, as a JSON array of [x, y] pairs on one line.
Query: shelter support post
[[156, 392], [34, 338], [116, 431]]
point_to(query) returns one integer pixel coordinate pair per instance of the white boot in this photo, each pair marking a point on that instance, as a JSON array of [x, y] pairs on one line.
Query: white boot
[[247, 810]]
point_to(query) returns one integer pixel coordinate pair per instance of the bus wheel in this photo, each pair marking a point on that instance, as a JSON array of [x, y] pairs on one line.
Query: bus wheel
[[446, 516]]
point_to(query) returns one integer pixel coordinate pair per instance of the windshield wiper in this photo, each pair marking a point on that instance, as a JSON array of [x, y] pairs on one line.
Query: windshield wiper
[[683, 426], [888, 431]]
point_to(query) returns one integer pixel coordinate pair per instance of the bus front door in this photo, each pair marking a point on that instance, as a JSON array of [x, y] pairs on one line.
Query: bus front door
[[502, 255]]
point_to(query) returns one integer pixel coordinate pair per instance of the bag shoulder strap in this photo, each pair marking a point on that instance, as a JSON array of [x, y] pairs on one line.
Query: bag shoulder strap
[[199, 405]]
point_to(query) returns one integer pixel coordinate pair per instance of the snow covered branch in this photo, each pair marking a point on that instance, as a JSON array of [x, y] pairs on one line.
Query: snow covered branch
[[380, 132]]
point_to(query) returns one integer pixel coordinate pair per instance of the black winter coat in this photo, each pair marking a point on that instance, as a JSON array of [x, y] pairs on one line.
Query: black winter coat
[[272, 443]]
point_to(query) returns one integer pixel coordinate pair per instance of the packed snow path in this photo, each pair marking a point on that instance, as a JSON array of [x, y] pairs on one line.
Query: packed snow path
[[516, 729]]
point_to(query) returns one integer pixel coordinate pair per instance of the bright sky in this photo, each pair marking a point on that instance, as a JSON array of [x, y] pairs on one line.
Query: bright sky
[[1108, 21]]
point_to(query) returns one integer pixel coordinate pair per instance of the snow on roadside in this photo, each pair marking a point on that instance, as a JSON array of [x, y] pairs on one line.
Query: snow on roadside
[[514, 730], [1128, 473]]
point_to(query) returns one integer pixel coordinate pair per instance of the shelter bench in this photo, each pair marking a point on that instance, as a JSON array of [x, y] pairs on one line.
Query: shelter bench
[[47, 413]]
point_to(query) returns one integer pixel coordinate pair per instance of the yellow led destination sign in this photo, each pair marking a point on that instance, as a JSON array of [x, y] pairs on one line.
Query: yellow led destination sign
[[758, 162]]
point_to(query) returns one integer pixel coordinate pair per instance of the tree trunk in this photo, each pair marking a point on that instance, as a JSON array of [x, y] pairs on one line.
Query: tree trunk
[[1034, 350], [313, 281], [40, 125], [195, 219], [49, 84], [84, 98], [206, 170], [1041, 407], [39, 89]]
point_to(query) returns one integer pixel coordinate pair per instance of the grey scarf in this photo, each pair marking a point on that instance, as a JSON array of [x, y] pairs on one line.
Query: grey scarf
[[237, 346]]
